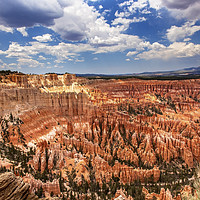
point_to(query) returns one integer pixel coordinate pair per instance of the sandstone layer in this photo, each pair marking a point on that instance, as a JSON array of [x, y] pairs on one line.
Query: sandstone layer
[[13, 188]]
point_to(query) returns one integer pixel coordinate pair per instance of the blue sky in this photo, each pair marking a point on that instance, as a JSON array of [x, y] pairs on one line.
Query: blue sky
[[99, 36]]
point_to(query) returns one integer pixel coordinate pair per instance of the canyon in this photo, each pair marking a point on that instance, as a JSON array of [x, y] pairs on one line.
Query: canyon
[[79, 138]]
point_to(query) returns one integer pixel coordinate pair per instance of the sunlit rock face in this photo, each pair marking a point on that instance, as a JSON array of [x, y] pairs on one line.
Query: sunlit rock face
[[101, 131]]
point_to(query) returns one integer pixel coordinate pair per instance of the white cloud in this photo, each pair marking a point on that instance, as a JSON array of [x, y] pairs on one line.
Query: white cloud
[[122, 14], [122, 42], [80, 60], [15, 50], [83, 22], [128, 59], [105, 12], [12, 64], [178, 8], [43, 38], [100, 7], [175, 50], [62, 51], [69, 51], [155, 4], [187, 39], [124, 22], [76, 22], [58, 66], [132, 6], [23, 31], [6, 29], [28, 62], [182, 8], [177, 33], [59, 61], [41, 58], [94, 0], [145, 11], [131, 53], [95, 58]]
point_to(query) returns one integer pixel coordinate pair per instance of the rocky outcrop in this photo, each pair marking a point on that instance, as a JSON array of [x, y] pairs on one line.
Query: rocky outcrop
[[48, 187], [13, 188], [125, 173], [66, 104], [164, 195], [120, 195]]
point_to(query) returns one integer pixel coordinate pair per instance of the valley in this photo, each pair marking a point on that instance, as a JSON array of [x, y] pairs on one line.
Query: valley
[[76, 138]]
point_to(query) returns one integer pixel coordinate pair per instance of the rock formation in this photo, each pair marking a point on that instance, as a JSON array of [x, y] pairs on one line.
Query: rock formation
[[13, 188], [101, 131]]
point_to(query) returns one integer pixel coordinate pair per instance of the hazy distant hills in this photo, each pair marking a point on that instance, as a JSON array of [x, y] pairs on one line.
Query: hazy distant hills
[[186, 73], [182, 72]]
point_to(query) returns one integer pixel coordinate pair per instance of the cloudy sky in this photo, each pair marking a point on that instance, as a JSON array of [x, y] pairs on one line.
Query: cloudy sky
[[99, 36]]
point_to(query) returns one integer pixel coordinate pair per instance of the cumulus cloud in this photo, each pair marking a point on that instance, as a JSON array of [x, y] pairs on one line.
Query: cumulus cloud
[[177, 33], [73, 20], [132, 6], [183, 8], [41, 57], [179, 8], [93, 0], [77, 21], [155, 4], [83, 22], [15, 50], [59, 61], [28, 62], [26, 13], [187, 39], [179, 4], [23, 31], [62, 51], [10, 66], [80, 60], [43, 38], [6, 29], [124, 22], [72, 52], [58, 66], [131, 53], [175, 50]]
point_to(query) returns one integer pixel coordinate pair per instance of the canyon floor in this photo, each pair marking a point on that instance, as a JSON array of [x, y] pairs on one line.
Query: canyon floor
[[67, 137]]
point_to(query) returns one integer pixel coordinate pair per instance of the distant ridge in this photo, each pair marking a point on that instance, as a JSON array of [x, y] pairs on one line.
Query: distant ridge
[[186, 73]]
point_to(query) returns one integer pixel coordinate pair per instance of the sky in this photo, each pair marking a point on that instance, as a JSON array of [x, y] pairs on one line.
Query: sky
[[99, 36]]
